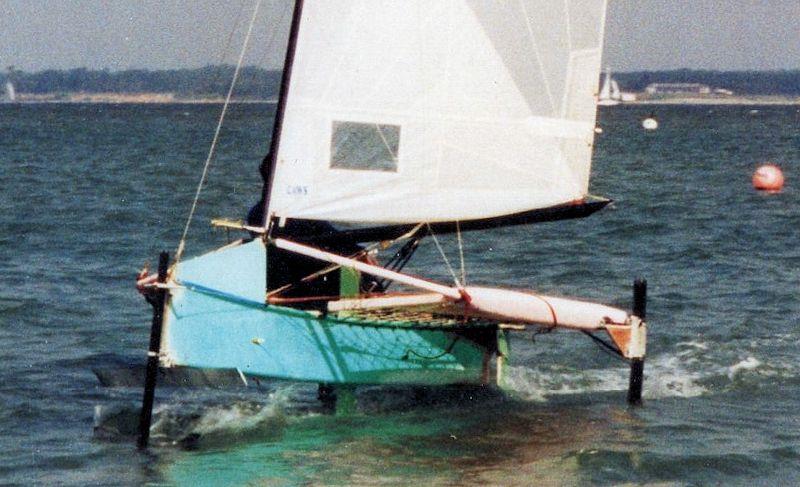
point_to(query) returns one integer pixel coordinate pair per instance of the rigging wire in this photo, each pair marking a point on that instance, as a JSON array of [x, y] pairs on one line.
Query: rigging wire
[[219, 76], [605, 346], [263, 60], [400, 259], [461, 253], [444, 256], [212, 149], [366, 250], [224, 52]]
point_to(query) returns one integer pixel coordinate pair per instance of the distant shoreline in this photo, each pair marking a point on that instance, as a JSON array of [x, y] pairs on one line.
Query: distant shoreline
[[139, 102], [154, 99], [87, 97], [173, 102], [728, 100]]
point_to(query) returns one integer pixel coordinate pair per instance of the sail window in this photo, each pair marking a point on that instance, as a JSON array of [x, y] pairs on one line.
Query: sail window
[[364, 146]]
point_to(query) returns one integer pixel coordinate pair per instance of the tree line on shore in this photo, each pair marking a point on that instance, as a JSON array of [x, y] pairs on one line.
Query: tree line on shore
[[786, 82], [255, 82]]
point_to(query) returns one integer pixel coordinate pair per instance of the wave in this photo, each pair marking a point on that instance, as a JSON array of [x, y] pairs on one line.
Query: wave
[[696, 368], [664, 377], [219, 425], [194, 422]]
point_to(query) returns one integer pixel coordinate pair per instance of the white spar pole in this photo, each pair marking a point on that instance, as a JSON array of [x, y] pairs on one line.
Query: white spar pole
[[374, 270], [498, 304]]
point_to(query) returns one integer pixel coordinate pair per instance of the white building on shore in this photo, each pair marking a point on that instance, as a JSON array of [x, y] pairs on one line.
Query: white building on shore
[[677, 89]]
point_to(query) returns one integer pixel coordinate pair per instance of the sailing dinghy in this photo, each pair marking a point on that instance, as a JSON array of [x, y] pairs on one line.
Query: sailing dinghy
[[409, 119], [609, 92]]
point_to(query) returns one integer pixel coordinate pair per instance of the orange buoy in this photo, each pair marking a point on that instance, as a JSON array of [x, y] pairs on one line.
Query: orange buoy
[[768, 177]]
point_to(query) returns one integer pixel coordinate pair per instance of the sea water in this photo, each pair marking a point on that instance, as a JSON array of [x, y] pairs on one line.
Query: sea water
[[91, 192]]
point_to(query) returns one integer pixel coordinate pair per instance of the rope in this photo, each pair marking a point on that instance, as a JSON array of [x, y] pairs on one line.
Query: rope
[[444, 256], [605, 346], [400, 259], [444, 352], [287, 6], [212, 149], [319, 273], [333, 267], [224, 53], [550, 307], [461, 253], [305, 315]]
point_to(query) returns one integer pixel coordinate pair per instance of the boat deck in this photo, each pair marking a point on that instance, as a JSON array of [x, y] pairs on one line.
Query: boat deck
[[420, 319]]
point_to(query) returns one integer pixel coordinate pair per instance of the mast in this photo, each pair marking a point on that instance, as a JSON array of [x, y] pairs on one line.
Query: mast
[[268, 172]]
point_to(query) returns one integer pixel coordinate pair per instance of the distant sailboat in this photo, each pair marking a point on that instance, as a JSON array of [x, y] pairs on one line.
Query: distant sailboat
[[616, 94], [11, 94], [413, 119], [610, 94]]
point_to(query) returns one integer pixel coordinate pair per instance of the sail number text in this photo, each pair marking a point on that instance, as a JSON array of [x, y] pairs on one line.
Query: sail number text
[[297, 190]]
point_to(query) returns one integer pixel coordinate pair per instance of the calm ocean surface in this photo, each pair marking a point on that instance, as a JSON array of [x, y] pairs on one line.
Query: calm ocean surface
[[89, 192]]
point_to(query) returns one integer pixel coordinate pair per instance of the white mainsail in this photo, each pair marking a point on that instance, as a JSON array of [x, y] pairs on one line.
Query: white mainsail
[[438, 111]]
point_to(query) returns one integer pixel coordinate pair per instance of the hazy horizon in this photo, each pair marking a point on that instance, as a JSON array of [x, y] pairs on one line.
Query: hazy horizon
[[278, 69], [641, 35]]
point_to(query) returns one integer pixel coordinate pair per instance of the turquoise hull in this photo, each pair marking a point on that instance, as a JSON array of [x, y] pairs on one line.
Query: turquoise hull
[[217, 319]]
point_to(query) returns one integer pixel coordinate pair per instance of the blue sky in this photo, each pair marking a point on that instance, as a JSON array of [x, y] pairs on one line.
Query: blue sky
[[154, 34]]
